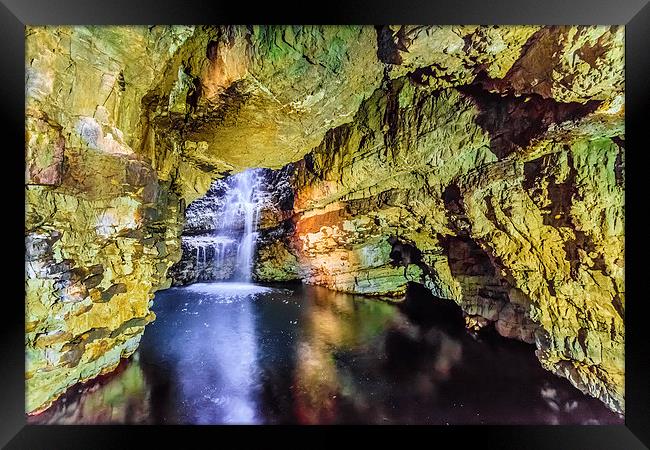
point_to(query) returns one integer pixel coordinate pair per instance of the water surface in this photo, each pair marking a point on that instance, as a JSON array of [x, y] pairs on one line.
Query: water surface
[[234, 353]]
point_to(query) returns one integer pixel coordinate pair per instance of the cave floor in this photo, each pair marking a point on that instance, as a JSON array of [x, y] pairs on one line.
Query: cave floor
[[227, 353]]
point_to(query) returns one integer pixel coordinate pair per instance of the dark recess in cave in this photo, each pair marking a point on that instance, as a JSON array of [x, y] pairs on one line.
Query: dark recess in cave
[[453, 199], [466, 257], [391, 118], [425, 309], [513, 122], [387, 48], [194, 93], [211, 51], [403, 254], [619, 165]]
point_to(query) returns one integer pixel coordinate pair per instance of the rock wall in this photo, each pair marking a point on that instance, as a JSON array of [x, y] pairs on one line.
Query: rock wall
[[486, 163], [101, 229], [504, 194], [237, 97]]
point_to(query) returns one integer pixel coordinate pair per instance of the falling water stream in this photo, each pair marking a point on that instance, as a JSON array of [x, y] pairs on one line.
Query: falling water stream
[[242, 204], [235, 228]]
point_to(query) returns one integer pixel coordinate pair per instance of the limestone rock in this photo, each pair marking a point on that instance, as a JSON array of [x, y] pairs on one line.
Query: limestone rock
[[274, 262], [257, 96], [101, 229], [569, 64], [486, 163], [517, 212], [446, 56]]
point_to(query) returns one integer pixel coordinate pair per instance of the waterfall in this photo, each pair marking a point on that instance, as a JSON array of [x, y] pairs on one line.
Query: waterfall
[[240, 217], [226, 220]]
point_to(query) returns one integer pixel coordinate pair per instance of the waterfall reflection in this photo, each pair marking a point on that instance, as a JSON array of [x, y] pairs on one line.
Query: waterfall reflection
[[210, 354], [216, 370]]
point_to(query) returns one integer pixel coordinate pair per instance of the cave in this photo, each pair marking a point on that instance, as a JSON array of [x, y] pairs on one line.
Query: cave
[[325, 225]]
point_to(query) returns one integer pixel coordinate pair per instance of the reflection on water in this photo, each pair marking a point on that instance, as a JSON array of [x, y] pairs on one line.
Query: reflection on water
[[237, 353], [117, 398]]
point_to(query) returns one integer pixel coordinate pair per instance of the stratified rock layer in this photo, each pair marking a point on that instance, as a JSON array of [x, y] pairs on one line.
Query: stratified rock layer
[[486, 163], [101, 228], [511, 204]]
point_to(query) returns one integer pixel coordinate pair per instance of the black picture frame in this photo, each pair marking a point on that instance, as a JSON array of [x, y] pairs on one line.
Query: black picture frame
[[16, 14]]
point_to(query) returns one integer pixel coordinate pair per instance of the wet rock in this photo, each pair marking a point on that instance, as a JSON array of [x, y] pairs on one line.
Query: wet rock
[[44, 152], [496, 152], [275, 262], [497, 209]]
